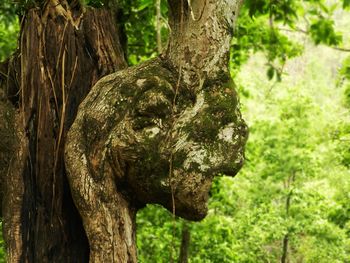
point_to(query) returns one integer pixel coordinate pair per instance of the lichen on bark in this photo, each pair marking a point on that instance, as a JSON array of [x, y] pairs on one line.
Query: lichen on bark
[[158, 132], [142, 137], [154, 133]]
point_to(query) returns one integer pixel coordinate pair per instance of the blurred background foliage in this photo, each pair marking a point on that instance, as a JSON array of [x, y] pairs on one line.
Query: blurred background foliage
[[290, 61], [9, 28]]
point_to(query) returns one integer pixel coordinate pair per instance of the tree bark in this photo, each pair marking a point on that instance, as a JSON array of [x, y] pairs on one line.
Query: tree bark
[[63, 50], [158, 132], [185, 244], [285, 248], [199, 44], [155, 133]]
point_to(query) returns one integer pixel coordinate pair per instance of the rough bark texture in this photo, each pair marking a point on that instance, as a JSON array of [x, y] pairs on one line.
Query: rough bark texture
[[158, 132], [8, 141], [63, 50], [201, 31], [155, 133], [13, 153]]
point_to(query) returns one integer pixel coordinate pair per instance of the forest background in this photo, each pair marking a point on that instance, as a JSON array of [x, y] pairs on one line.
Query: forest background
[[291, 201]]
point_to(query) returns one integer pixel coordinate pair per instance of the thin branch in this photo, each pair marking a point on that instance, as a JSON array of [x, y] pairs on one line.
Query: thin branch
[[296, 30], [159, 26], [192, 13], [299, 30], [341, 49]]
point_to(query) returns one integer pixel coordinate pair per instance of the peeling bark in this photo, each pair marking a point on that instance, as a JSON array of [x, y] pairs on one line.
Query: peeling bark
[[63, 50]]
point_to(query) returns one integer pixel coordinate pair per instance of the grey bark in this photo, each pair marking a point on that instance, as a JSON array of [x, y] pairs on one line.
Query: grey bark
[[200, 37]]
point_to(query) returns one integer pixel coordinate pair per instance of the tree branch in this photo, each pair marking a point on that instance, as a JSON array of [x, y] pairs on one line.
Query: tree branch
[[341, 49]]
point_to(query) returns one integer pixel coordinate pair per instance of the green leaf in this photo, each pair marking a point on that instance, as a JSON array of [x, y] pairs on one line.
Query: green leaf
[[322, 31], [346, 3], [270, 73]]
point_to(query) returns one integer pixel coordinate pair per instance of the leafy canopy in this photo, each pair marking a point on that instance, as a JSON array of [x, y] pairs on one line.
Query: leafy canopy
[[262, 26]]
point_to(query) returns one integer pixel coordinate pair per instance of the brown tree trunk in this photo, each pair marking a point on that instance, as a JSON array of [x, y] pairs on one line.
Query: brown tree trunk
[[63, 50], [185, 244]]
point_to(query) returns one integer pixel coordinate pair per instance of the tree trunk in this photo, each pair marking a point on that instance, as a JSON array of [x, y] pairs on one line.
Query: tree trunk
[[285, 248], [158, 132], [155, 133], [63, 50], [185, 244], [289, 187]]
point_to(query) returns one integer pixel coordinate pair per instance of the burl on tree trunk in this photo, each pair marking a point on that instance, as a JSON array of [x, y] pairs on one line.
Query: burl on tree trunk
[[154, 133], [157, 132]]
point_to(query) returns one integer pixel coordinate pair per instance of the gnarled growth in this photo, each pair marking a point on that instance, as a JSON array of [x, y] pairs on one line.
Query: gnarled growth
[[158, 132]]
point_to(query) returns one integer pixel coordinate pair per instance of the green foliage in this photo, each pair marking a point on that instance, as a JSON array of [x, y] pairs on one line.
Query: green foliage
[[285, 10], [2, 247], [159, 237], [140, 24], [292, 153], [261, 26], [267, 25], [341, 135], [344, 80], [95, 3], [253, 35], [322, 31], [9, 29], [299, 138], [346, 3]]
